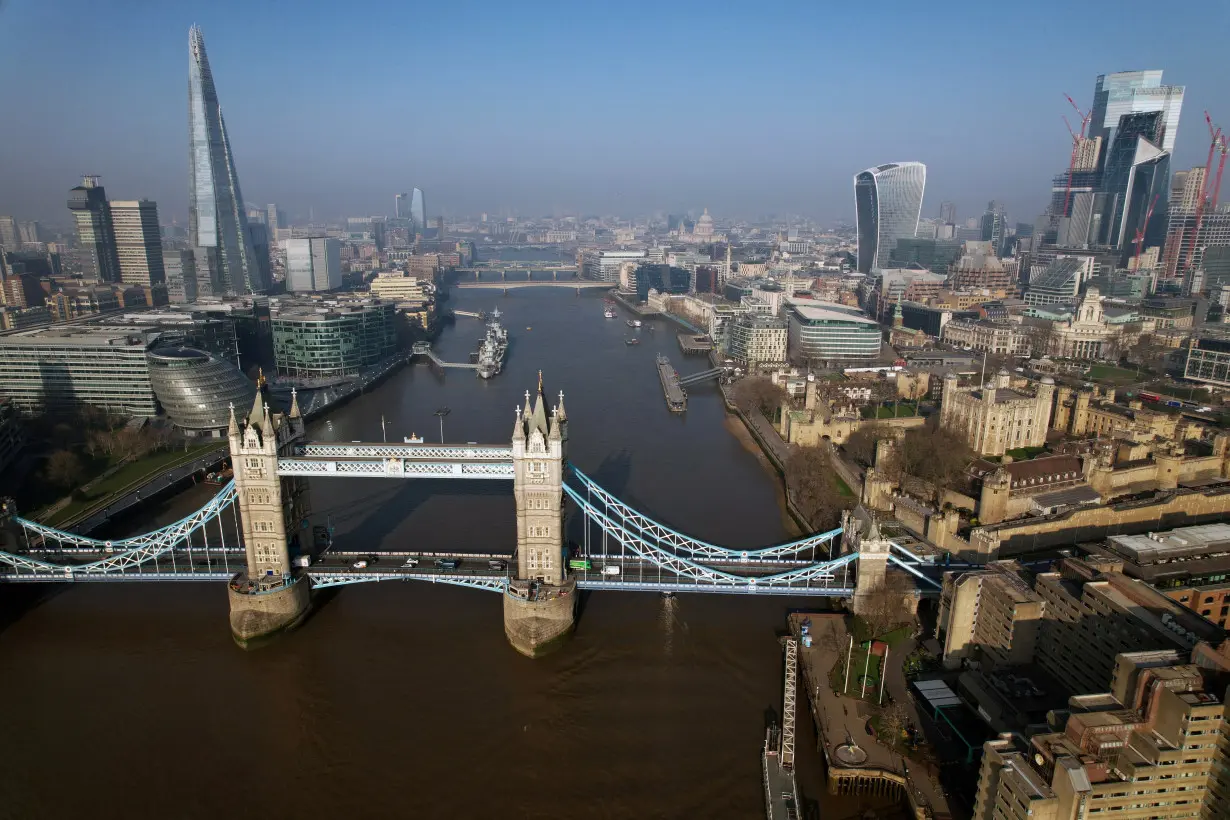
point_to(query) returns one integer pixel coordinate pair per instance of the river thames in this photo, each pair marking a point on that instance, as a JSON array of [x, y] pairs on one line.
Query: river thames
[[404, 699]]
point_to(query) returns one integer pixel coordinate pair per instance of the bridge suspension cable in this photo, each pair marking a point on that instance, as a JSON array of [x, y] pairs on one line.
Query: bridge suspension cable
[[673, 541]]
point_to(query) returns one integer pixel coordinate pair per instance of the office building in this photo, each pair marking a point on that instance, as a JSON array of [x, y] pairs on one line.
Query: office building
[[1137, 120], [993, 613], [1208, 361], [313, 264], [29, 233], [418, 211], [755, 340], [401, 206], [326, 339], [138, 242], [887, 205], [11, 438], [603, 266], [1151, 743], [274, 220], [827, 332], [995, 418], [67, 368], [9, 236], [1059, 282], [95, 237], [217, 220], [197, 389]]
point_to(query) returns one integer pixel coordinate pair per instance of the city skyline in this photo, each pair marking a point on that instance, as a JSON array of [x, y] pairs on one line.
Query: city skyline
[[480, 149]]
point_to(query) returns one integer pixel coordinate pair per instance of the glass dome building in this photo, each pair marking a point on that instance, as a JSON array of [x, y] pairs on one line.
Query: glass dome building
[[197, 389]]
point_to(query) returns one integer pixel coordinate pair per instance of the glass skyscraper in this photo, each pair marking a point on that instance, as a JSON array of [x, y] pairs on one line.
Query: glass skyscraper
[[95, 234], [217, 221], [887, 204], [418, 211]]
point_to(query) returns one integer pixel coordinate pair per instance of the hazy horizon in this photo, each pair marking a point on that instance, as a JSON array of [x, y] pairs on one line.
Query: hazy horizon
[[551, 108]]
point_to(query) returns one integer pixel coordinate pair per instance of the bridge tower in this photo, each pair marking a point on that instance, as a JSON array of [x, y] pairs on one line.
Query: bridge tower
[[540, 600], [267, 597]]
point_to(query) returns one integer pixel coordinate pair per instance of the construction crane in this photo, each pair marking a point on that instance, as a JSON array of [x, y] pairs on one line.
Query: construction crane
[[1077, 140], [1140, 234], [1209, 188]]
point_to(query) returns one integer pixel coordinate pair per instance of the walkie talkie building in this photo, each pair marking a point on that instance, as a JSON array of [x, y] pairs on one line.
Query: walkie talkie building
[[887, 204]]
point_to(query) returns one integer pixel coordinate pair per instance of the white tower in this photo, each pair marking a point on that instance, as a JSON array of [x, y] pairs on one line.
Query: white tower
[[539, 445]]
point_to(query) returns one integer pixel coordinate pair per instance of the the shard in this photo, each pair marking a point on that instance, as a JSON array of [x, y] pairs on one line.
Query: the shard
[[217, 222]]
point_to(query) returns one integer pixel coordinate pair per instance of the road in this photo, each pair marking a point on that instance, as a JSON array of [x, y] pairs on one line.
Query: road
[[155, 484]]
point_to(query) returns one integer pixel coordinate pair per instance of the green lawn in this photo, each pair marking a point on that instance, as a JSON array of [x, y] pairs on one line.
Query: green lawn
[[1110, 373], [902, 410], [133, 473], [843, 488], [1026, 453]]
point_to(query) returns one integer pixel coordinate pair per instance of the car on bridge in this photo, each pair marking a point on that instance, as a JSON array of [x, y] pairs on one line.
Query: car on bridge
[[411, 562], [448, 563], [360, 564], [497, 565]]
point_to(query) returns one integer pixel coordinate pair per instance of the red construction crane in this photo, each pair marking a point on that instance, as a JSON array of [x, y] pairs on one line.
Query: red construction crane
[[1077, 139], [1208, 186], [1140, 234]]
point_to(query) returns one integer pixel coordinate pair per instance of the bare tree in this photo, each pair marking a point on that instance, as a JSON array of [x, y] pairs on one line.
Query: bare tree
[[812, 484], [887, 605], [861, 445], [893, 720], [758, 393], [64, 469], [936, 456]]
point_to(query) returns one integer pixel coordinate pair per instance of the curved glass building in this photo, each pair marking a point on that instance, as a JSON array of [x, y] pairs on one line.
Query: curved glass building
[[197, 389], [887, 204]]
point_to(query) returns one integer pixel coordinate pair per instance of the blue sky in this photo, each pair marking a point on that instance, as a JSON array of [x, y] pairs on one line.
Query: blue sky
[[538, 107]]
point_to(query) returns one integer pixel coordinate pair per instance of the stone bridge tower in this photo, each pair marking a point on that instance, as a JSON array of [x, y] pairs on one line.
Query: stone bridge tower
[[539, 604], [267, 597]]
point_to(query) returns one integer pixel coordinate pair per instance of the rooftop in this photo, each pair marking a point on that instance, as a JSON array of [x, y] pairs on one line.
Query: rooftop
[[813, 311], [1200, 541], [80, 336]]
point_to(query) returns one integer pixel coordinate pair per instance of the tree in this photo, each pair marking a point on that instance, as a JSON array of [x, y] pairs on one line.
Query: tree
[[894, 720], [812, 485], [937, 456], [887, 604], [861, 445], [758, 393], [64, 469]]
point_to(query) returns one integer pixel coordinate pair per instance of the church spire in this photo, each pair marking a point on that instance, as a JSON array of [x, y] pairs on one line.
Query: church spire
[[294, 403], [518, 425], [232, 429]]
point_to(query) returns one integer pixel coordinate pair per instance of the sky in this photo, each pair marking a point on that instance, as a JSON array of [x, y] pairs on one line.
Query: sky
[[539, 108]]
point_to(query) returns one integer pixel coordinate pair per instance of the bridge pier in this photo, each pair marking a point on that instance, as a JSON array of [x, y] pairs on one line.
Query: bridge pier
[[538, 621], [258, 613]]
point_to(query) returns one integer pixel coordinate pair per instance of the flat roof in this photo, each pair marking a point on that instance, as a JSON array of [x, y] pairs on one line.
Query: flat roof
[[1184, 542], [815, 311], [80, 336]]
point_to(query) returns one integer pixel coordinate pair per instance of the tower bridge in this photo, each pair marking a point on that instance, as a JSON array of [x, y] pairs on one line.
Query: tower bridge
[[243, 535]]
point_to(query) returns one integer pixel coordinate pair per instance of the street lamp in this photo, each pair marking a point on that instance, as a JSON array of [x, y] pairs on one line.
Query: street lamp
[[440, 414]]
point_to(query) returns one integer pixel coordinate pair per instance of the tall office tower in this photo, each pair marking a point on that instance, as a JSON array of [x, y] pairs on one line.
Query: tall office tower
[[401, 206], [992, 226], [29, 233], [274, 219], [138, 242], [313, 264], [887, 204], [216, 217], [1137, 170], [259, 232], [1137, 120], [1185, 191], [1134, 92], [180, 268], [8, 232], [88, 202], [418, 211]]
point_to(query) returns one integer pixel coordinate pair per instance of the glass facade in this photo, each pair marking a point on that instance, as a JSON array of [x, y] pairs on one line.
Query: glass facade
[[833, 333], [216, 216], [197, 389], [92, 216], [1208, 361], [418, 211], [333, 341], [887, 205], [67, 368]]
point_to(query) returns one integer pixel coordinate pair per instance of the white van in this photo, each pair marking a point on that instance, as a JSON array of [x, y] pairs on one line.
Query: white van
[[610, 570]]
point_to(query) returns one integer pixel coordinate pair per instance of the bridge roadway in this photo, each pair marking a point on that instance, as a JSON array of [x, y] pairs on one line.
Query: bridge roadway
[[575, 284], [335, 568]]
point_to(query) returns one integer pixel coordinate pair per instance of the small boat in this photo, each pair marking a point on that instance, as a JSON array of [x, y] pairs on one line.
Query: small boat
[[636, 322], [609, 313], [529, 328], [632, 341], [629, 323]]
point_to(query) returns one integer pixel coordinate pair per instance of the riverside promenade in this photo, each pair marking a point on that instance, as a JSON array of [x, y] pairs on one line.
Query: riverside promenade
[[856, 761]]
